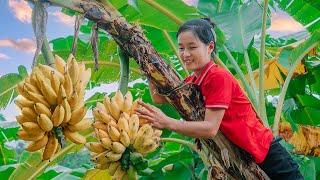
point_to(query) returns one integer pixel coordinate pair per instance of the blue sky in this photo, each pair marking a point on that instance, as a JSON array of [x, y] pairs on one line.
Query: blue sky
[[17, 41]]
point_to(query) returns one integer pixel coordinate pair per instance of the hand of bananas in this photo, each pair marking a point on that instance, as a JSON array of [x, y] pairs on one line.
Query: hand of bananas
[[119, 133], [51, 99]]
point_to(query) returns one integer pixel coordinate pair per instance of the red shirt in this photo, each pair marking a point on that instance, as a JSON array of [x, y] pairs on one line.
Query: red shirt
[[240, 123]]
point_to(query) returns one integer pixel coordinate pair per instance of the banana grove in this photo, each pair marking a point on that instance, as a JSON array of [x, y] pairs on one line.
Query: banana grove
[[130, 40]]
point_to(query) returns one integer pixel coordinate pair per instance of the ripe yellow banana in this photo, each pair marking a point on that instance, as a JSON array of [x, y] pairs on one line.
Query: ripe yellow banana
[[106, 142], [21, 102], [42, 109], [45, 122], [48, 92], [28, 113], [77, 115], [135, 105], [58, 115], [22, 119], [102, 134], [100, 125], [67, 110], [95, 147], [37, 145], [100, 106], [124, 138], [22, 134], [37, 98], [119, 173], [59, 63], [84, 78], [50, 148], [29, 87], [31, 127], [123, 124], [96, 115], [68, 84], [73, 100], [73, 70], [106, 118], [133, 126], [107, 103], [118, 147], [47, 70], [112, 156], [157, 132], [55, 82], [113, 167], [118, 98], [21, 90], [74, 136], [113, 133], [100, 158], [148, 146], [114, 109], [82, 125], [144, 133], [127, 104], [61, 95]]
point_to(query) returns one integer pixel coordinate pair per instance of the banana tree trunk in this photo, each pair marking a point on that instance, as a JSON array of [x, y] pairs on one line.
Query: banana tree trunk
[[226, 160]]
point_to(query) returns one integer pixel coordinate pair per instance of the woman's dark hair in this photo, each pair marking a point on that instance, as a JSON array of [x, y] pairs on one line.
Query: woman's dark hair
[[201, 28]]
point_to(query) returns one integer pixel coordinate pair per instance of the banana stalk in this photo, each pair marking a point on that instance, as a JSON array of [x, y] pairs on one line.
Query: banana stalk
[[124, 71]]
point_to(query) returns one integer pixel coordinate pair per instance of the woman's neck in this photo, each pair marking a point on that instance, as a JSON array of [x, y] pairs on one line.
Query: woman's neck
[[198, 72]]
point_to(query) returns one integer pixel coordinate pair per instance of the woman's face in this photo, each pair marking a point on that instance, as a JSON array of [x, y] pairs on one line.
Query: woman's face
[[194, 53]]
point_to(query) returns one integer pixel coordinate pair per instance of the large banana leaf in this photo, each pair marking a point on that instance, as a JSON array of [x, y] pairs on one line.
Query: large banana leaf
[[240, 24], [213, 7], [307, 12], [161, 14], [8, 83]]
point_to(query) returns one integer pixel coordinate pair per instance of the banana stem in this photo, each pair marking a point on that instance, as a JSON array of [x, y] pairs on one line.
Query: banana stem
[[191, 146], [124, 71], [242, 77], [250, 72], [262, 106], [47, 53]]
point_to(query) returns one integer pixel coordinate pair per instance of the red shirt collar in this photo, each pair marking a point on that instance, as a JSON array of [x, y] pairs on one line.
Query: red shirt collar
[[205, 70]]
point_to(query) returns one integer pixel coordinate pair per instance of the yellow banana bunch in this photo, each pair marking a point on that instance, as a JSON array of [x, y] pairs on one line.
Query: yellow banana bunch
[[52, 106], [118, 132]]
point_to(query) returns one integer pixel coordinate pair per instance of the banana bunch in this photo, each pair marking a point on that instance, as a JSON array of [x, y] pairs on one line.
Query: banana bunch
[[52, 106], [119, 133]]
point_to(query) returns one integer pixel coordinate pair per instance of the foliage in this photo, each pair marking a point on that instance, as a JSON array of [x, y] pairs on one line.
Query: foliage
[[159, 20]]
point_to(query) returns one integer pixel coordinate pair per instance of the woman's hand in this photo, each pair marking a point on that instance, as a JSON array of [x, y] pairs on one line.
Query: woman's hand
[[154, 116]]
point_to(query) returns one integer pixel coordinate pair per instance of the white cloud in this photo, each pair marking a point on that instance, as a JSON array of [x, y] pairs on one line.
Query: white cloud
[[284, 24], [63, 18], [24, 44], [191, 2], [21, 10], [4, 57]]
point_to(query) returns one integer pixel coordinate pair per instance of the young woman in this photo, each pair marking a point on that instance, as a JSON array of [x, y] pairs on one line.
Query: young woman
[[227, 107]]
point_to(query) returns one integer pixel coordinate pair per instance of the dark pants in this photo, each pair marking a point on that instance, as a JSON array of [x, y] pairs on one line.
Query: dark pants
[[279, 164]]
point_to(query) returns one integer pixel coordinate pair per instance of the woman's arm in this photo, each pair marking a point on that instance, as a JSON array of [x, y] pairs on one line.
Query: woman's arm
[[156, 98], [198, 129]]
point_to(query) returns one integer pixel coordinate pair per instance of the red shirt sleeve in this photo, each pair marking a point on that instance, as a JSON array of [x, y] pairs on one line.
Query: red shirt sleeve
[[217, 90]]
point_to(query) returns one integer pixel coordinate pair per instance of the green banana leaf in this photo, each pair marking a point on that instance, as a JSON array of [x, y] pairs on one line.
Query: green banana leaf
[[161, 14], [213, 7], [237, 27], [8, 84]]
